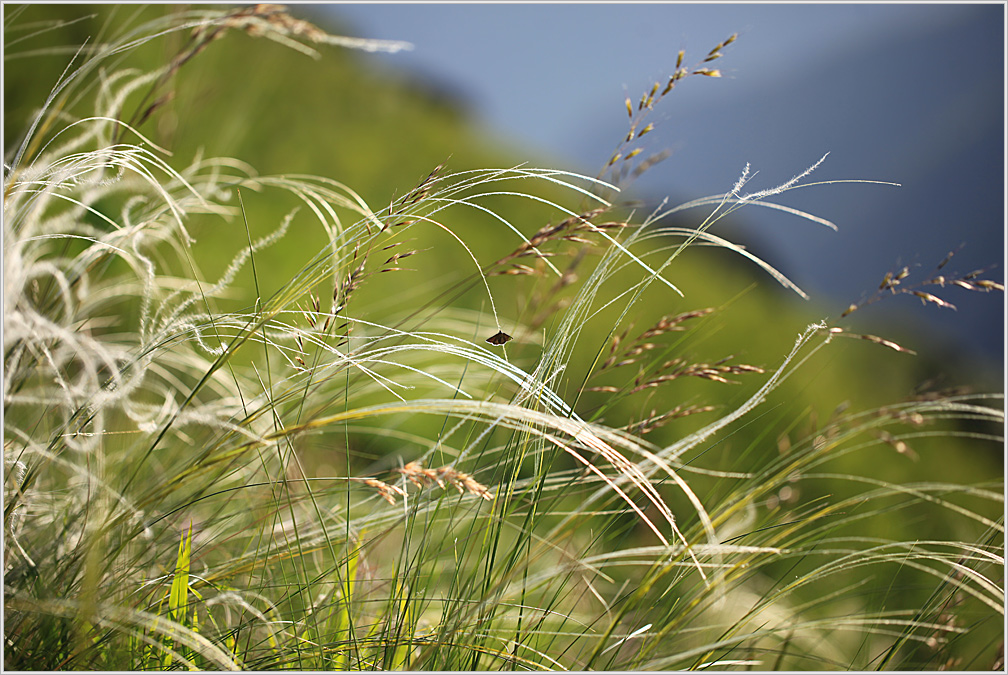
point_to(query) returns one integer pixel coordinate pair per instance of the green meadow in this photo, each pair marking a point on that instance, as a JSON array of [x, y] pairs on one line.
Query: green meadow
[[305, 370]]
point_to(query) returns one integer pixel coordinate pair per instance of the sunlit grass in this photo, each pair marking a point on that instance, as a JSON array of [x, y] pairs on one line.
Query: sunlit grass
[[342, 473]]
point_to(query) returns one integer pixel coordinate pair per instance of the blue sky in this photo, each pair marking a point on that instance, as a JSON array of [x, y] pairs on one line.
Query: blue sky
[[909, 93], [529, 67]]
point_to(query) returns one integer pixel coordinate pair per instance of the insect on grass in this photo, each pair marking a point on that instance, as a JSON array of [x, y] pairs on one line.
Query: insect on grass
[[498, 338]]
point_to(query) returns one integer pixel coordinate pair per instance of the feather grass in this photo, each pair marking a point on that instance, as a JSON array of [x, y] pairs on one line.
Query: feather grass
[[182, 486]]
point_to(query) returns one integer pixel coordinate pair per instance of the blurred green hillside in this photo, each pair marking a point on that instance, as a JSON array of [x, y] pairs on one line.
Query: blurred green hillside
[[343, 118]]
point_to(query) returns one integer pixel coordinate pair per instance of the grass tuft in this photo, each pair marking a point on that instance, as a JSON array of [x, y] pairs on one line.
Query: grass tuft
[[339, 470]]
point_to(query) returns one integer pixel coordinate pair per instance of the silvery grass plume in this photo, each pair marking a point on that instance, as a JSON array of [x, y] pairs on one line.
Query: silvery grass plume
[[182, 486]]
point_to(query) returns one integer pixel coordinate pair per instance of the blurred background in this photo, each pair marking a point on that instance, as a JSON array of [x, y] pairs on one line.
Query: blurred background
[[912, 94]]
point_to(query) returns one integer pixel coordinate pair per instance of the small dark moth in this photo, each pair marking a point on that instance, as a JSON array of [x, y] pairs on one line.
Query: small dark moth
[[499, 338]]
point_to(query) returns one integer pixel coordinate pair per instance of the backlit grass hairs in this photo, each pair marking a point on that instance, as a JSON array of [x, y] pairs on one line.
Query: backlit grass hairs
[[320, 480]]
